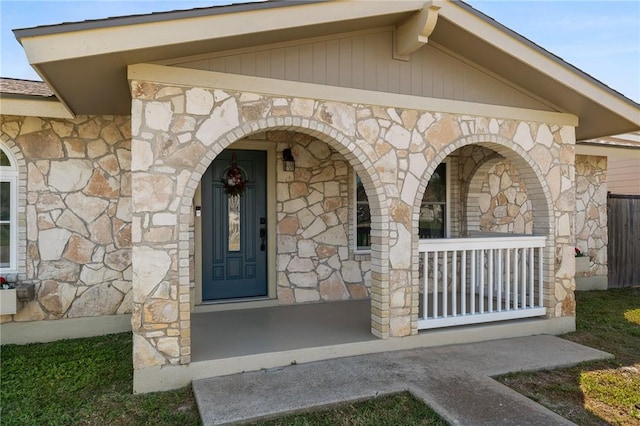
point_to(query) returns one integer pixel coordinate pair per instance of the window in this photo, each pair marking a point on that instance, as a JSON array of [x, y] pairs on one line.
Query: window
[[433, 222], [433, 210], [363, 218], [8, 212]]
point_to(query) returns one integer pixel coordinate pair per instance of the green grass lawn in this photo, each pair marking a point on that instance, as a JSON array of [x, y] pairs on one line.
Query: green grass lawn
[[89, 381], [598, 393], [393, 410], [83, 382]]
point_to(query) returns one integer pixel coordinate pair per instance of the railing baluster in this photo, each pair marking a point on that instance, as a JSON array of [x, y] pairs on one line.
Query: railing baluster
[[490, 279], [463, 282], [425, 282], [481, 272], [499, 275], [507, 297], [523, 271], [445, 287], [454, 283], [531, 275], [472, 290], [435, 284], [515, 278]]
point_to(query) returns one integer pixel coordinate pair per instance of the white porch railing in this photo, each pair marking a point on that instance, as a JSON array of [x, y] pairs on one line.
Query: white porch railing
[[475, 280]]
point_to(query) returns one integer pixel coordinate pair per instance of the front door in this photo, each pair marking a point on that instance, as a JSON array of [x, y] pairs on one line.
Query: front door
[[234, 240]]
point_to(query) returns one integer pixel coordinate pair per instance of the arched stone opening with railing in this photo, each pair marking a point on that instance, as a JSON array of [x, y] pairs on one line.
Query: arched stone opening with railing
[[479, 275]]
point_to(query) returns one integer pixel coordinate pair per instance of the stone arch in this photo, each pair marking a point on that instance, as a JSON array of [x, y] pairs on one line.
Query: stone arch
[[356, 157], [542, 202], [530, 173], [17, 159]]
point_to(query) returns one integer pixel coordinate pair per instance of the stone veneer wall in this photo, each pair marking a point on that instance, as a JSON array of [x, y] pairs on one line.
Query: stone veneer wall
[[591, 212], [393, 150], [495, 197], [315, 260], [75, 218], [503, 201]]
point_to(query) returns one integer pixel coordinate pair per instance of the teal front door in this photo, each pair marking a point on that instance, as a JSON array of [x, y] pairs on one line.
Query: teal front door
[[234, 240]]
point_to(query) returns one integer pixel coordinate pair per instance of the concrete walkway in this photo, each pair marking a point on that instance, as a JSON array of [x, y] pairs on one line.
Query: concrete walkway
[[454, 380]]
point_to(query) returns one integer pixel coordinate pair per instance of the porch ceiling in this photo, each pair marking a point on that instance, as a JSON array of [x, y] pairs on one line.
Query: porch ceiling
[[86, 63]]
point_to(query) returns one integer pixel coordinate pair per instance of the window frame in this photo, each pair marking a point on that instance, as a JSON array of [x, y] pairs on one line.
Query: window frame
[[447, 198], [356, 249], [10, 174], [447, 209]]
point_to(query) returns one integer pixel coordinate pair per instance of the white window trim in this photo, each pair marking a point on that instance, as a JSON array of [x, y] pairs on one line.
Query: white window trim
[[354, 214], [10, 174]]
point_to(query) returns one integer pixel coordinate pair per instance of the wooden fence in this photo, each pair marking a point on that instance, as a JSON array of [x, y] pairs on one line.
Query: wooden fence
[[624, 240]]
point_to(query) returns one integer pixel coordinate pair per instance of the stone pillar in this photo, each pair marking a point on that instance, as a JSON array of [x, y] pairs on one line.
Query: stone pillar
[[160, 319]]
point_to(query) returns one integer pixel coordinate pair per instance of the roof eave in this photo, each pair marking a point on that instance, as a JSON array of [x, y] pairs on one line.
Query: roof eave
[[55, 51], [33, 106]]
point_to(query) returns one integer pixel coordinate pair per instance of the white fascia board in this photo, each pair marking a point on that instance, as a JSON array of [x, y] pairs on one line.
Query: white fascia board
[[241, 83], [550, 67], [98, 41], [34, 108]]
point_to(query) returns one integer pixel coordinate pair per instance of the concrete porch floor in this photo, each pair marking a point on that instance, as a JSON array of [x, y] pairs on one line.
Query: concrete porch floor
[[233, 341], [235, 333]]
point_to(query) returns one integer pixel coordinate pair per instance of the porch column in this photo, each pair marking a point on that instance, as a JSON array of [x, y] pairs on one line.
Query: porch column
[[403, 319], [160, 317]]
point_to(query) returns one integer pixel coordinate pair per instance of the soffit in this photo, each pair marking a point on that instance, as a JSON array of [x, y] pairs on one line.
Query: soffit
[[601, 110], [90, 78]]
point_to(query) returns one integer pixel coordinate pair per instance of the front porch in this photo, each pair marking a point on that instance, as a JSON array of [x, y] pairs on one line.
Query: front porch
[[311, 233], [250, 339], [464, 281]]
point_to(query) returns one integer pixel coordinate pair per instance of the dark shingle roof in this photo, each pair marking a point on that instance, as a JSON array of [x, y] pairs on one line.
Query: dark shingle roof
[[16, 86]]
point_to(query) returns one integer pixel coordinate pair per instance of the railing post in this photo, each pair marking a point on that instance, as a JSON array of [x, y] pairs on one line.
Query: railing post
[[540, 279]]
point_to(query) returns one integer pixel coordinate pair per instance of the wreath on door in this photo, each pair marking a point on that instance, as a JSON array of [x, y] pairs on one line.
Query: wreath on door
[[233, 182]]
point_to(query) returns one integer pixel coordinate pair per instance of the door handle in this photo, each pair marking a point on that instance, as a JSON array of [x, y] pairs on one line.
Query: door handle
[[263, 236]]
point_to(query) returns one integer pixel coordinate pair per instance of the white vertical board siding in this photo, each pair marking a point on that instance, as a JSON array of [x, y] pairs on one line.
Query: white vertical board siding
[[365, 61]]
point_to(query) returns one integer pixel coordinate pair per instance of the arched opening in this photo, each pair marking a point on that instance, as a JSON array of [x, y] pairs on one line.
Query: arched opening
[[494, 263], [310, 241]]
